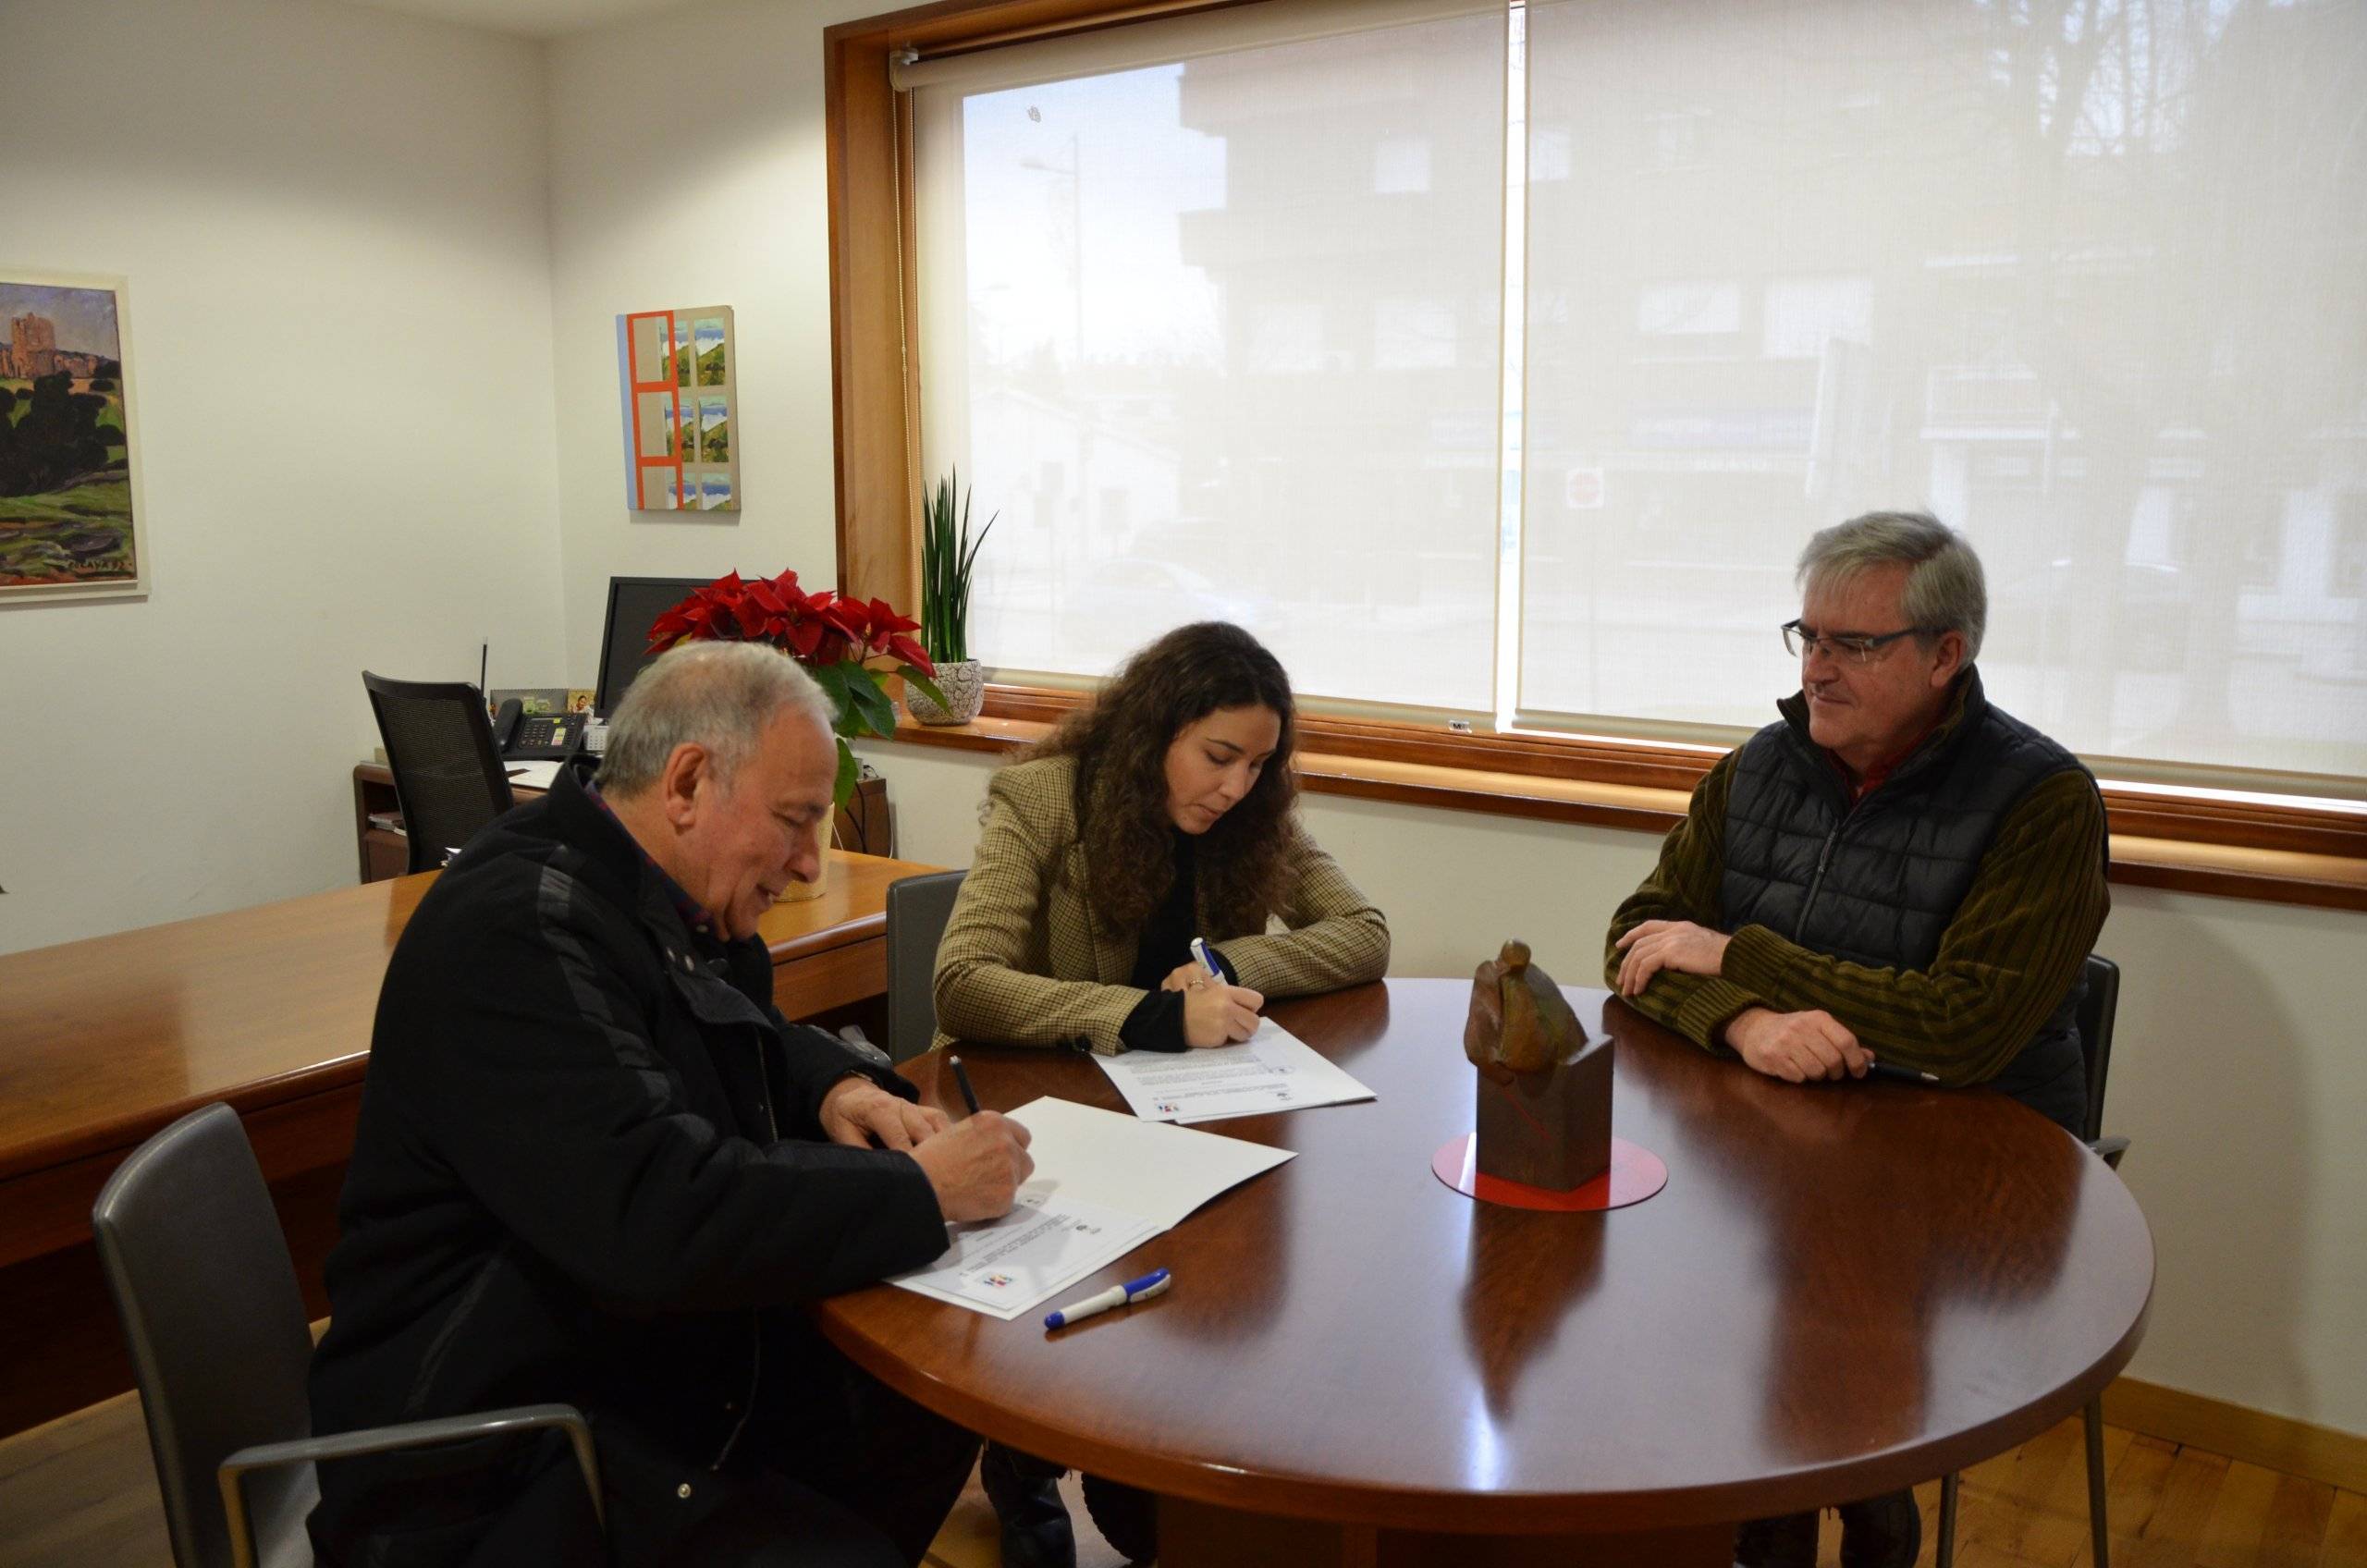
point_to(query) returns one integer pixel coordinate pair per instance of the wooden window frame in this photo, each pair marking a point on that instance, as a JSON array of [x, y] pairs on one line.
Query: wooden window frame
[[2287, 851]]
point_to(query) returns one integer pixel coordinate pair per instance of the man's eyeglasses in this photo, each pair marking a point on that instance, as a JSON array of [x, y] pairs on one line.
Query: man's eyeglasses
[[1856, 646]]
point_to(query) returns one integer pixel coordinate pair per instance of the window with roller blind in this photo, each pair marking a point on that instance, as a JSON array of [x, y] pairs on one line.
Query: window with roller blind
[[1212, 313], [1496, 362]]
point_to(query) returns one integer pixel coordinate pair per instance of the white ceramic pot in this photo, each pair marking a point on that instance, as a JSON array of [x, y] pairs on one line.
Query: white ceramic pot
[[964, 682]]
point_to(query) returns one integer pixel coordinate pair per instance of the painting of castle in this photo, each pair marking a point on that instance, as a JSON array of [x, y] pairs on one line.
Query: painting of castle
[[68, 523]]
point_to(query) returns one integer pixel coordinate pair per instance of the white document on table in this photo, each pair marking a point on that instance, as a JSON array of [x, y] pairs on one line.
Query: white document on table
[[532, 774], [1272, 1070], [1104, 1184], [1003, 1267], [1159, 1172]]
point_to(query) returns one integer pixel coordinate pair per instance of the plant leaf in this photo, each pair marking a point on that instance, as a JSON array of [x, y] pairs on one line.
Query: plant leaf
[[972, 554], [843, 790], [832, 679], [876, 714]]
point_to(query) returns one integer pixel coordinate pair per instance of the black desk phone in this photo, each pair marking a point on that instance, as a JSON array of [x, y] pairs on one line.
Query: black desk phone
[[523, 737]]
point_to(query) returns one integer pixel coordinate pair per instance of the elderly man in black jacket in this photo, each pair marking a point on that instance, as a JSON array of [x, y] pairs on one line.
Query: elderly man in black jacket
[[595, 1165]]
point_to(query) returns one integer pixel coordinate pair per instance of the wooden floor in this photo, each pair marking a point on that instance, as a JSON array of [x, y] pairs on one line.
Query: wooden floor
[[78, 1494]]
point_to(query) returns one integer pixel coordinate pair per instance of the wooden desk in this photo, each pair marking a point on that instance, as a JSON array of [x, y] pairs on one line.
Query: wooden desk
[[103, 1042], [1842, 1291]]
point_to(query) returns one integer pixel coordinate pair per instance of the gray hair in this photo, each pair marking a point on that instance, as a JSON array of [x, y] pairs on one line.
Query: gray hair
[[717, 695], [1946, 589]]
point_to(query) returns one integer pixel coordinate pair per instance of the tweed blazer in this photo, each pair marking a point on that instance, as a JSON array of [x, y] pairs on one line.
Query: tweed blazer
[[1024, 959]]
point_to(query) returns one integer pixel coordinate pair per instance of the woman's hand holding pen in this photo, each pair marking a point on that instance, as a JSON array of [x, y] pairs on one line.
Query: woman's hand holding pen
[[1216, 1012], [1218, 1015], [1184, 976]]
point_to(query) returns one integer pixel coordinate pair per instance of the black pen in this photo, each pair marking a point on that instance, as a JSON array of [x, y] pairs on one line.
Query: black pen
[[969, 1095], [1873, 1069]]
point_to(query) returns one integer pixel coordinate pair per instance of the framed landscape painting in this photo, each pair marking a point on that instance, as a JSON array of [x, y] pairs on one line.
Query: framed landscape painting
[[69, 476]]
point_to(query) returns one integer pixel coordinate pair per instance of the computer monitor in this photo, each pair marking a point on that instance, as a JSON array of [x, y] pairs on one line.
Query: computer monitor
[[635, 604]]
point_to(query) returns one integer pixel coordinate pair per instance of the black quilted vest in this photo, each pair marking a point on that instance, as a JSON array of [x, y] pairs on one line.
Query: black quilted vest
[[1878, 885]]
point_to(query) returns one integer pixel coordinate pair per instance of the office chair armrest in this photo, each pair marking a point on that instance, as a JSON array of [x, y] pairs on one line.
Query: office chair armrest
[[384, 1440], [2110, 1150]]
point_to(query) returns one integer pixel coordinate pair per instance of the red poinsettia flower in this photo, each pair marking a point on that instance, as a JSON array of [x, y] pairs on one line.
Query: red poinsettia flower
[[851, 619], [802, 637], [767, 608], [829, 634]]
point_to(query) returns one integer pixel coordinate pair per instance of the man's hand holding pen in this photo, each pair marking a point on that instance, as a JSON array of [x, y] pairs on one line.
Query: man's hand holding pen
[[975, 1166]]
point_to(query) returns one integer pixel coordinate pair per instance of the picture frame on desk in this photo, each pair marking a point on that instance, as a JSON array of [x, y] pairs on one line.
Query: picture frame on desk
[[537, 702]]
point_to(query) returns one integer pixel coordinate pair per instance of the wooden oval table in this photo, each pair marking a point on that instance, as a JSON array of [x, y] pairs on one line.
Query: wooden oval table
[[1843, 1289]]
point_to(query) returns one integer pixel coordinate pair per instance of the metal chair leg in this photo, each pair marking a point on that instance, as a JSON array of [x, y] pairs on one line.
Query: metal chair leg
[[1949, 1520], [2092, 1418]]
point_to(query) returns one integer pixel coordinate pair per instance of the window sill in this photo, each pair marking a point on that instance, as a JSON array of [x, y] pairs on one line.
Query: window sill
[[2141, 855]]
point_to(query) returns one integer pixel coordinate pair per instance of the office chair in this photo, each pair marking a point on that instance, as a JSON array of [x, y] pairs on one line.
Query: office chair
[[2097, 1010], [210, 1312], [918, 907], [448, 779]]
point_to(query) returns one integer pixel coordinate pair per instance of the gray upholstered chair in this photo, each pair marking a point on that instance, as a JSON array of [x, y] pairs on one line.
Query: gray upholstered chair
[[2097, 1010], [918, 907], [215, 1322]]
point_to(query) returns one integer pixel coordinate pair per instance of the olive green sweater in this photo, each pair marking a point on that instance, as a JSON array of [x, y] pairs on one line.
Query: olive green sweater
[[2014, 948]]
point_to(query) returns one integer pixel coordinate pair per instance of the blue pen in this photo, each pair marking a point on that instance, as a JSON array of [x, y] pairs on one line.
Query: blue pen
[[1126, 1294], [1207, 960]]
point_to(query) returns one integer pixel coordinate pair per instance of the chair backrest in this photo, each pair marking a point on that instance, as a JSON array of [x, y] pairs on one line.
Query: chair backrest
[[2097, 1009], [448, 779], [211, 1314], [917, 910]]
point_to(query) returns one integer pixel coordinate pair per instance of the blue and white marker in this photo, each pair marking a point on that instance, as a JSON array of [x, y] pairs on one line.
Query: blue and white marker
[[1133, 1290], [1207, 960]]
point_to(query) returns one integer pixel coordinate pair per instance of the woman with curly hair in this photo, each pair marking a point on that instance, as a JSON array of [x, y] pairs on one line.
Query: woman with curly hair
[[1162, 812]]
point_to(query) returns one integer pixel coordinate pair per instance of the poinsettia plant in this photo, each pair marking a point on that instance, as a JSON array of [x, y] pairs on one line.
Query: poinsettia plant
[[845, 643]]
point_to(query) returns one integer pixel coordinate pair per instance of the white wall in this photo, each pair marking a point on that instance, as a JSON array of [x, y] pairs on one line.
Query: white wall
[[652, 211], [333, 224], [2237, 1064]]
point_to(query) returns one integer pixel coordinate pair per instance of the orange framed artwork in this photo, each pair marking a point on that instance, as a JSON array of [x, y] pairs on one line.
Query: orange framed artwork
[[678, 373]]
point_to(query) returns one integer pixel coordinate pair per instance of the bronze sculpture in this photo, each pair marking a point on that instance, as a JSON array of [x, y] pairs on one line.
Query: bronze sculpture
[[1544, 1105]]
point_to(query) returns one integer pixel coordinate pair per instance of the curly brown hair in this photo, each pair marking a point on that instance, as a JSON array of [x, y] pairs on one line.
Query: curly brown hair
[[1119, 743]]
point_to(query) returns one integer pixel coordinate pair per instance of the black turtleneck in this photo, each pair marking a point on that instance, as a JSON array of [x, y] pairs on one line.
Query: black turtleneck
[[1157, 1022]]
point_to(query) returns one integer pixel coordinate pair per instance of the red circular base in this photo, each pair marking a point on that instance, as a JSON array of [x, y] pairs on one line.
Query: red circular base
[[1634, 1174]]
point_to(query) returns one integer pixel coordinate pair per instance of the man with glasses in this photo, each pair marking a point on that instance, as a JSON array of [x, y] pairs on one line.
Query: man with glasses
[[1895, 870]]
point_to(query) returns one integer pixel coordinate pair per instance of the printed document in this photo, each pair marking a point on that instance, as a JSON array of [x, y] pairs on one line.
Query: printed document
[[1003, 1267], [1272, 1070], [1104, 1184]]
